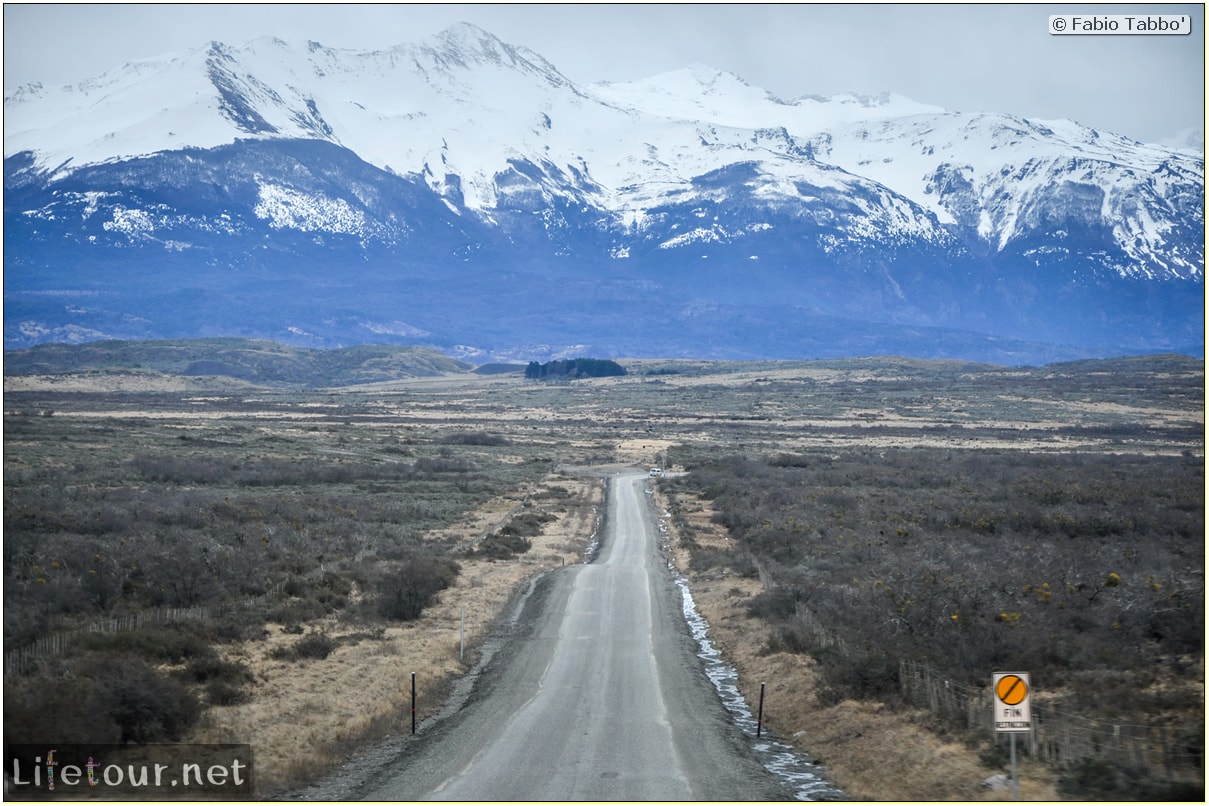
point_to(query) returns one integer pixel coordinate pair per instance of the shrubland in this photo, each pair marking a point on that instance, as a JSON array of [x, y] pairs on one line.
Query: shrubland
[[966, 517], [968, 561], [218, 527], [1085, 569]]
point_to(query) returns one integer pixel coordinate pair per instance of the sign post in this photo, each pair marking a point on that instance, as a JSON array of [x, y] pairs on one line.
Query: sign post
[[760, 717], [1013, 711]]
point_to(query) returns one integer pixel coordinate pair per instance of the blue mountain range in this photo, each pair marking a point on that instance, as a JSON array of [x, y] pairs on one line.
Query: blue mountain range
[[461, 193]]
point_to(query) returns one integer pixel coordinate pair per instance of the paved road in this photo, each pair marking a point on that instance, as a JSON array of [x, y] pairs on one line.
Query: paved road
[[602, 698]]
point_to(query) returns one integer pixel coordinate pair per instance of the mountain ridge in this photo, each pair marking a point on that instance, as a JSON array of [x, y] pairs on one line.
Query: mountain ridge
[[460, 170]]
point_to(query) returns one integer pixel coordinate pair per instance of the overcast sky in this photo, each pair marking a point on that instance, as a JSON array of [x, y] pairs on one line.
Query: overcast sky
[[976, 57]]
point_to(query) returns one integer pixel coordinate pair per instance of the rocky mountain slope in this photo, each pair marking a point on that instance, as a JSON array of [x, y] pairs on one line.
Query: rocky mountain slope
[[462, 193]]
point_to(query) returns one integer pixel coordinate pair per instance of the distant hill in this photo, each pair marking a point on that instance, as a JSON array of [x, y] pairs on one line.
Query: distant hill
[[252, 360]]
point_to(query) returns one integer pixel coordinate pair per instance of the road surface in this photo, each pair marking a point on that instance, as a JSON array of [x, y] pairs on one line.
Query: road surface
[[600, 698]]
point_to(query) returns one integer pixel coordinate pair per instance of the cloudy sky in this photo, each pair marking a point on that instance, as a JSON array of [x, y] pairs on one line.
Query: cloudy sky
[[976, 57]]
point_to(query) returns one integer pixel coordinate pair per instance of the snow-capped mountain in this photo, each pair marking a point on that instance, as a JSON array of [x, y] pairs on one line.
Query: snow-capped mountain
[[1000, 178], [462, 192]]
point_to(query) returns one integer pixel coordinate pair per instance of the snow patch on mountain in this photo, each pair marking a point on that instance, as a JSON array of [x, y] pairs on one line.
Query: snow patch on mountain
[[308, 212], [130, 222]]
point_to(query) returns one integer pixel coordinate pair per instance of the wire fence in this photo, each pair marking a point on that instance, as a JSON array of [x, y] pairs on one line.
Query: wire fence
[[20, 661], [1171, 751]]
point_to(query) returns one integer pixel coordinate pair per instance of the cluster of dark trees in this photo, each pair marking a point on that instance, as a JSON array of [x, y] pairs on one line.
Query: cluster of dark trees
[[574, 368]]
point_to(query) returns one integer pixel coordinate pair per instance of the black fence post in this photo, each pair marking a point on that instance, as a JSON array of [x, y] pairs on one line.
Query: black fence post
[[760, 716]]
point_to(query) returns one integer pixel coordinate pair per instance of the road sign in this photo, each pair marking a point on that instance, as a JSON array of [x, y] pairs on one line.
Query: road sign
[[1013, 713]]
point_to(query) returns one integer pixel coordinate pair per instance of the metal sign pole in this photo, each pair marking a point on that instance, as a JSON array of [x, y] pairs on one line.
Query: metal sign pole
[[1014, 766], [1013, 709]]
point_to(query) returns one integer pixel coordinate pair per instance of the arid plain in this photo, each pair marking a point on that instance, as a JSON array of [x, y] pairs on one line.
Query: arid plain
[[304, 505]]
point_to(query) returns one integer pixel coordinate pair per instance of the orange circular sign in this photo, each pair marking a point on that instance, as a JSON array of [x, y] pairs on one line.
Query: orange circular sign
[[1011, 689]]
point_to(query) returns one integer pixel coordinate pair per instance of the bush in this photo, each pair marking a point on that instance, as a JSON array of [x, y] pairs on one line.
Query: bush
[[501, 546], [213, 668], [222, 693], [315, 646], [145, 706], [37, 711], [778, 603], [1098, 779], [870, 674], [312, 646], [170, 643], [413, 585], [513, 537], [528, 524]]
